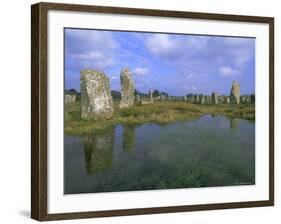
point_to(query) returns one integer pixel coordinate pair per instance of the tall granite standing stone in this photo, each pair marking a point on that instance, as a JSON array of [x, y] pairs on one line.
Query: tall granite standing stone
[[235, 93], [215, 98], [127, 89], [96, 100]]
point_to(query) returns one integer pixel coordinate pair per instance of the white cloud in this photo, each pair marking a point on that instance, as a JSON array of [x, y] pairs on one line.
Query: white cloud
[[241, 50], [190, 75], [191, 87], [140, 71], [91, 39], [90, 49], [114, 77], [93, 55], [94, 60], [162, 44], [228, 71], [174, 47]]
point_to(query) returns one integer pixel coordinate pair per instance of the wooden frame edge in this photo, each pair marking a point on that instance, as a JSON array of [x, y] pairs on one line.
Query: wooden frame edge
[[39, 110]]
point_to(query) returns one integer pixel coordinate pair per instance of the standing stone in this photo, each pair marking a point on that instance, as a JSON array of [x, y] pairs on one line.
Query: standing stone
[[202, 99], [138, 99], [215, 98], [151, 96], [248, 99], [221, 99], [252, 98], [196, 98], [96, 99], [227, 100], [243, 99], [207, 99], [127, 89], [235, 93], [69, 98]]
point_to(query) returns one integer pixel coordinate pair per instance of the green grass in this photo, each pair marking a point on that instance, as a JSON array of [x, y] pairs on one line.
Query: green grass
[[159, 112]]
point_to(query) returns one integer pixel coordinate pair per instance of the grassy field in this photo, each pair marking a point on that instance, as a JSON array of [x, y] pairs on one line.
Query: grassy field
[[159, 112]]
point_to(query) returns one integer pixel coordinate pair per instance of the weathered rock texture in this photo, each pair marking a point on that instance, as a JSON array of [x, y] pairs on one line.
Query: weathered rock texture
[[235, 93], [96, 100], [127, 89], [69, 98], [215, 98]]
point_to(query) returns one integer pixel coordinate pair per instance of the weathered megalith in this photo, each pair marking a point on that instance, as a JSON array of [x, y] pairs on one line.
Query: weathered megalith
[[196, 98], [151, 96], [138, 99], [235, 93], [215, 98], [127, 89], [69, 98], [206, 99], [202, 99], [96, 99], [243, 99]]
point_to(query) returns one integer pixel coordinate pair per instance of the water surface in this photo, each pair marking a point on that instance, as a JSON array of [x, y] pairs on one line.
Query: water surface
[[209, 151]]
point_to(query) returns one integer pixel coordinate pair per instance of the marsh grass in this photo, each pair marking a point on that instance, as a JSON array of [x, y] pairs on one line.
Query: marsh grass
[[158, 112]]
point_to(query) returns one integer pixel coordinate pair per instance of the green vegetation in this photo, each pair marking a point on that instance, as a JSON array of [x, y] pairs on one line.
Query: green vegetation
[[159, 112]]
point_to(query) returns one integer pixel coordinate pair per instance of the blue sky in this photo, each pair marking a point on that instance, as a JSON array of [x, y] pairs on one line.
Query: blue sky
[[174, 63]]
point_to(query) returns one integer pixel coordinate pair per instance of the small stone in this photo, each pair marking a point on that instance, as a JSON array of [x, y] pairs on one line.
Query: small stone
[[215, 98], [151, 96], [69, 98], [202, 99]]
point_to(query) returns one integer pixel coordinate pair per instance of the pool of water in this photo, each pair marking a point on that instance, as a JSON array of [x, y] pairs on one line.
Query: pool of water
[[207, 152]]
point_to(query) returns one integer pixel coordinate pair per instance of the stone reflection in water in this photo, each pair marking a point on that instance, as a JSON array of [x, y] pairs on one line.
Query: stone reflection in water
[[98, 150], [234, 122], [129, 137]]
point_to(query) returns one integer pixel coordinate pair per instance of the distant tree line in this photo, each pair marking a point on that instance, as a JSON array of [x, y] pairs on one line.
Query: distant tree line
[[73, 92]]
